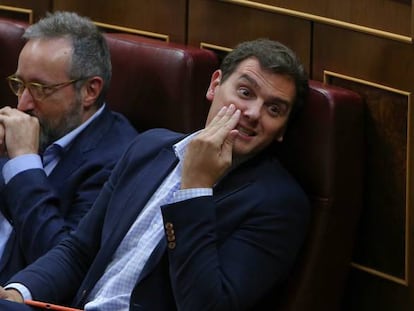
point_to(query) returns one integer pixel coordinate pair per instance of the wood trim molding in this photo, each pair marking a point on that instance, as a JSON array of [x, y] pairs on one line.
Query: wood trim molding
[[155, 35], [214, 47], [28, 12], [321, 19]]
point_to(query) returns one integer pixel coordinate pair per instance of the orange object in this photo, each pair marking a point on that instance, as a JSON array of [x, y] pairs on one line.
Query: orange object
[[48, 306]]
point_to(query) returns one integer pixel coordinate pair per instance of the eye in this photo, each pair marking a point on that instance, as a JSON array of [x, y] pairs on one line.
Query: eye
[[16, 84], [244, 92], [277, 109], [274, 109], [37, 90], [45, 90]]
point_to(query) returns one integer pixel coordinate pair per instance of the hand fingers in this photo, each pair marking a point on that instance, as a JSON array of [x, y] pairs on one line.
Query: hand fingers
[[225, 120], [227, 147], [19, 132]]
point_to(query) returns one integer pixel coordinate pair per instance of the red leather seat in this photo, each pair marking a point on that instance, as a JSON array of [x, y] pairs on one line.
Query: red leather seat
[[324, 151], [11, 43], [159, 84]]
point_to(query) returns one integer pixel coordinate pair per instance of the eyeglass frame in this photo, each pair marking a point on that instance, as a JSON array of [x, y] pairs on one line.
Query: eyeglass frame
[[26, 85]]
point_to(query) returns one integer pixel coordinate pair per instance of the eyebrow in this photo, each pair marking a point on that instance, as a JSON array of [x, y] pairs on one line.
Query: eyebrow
[[249, 79], [275, 100]]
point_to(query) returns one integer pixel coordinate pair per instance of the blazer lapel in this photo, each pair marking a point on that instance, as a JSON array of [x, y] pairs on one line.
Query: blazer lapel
[[87, 140], [148, 180], [154, 259]]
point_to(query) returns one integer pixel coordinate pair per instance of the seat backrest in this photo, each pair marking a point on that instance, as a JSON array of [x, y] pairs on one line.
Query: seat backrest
[[159, 84], [11, 43], [324, 151]]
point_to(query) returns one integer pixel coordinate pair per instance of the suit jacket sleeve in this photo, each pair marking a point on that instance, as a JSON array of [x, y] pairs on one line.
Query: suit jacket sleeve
[[44, 209], [231, 249], [58, 275]]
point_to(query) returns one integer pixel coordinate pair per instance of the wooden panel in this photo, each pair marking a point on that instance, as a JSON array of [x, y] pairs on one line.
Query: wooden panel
[[375, 294], [224, 24], [39, 7], [164, 17], [382, 72], [382, 229], [388, 15], [382, 61]]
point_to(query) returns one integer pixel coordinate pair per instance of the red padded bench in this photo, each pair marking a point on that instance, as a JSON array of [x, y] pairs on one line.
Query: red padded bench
[[159, 84], [324, 150], [10, 43]]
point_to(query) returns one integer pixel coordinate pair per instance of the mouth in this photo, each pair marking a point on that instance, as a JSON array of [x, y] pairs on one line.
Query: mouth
[[243, 131]]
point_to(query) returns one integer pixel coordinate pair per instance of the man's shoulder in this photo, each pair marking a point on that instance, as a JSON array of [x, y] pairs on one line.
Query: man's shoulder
[[109, 127], [272, 175], [157, 137], [162, 133], [117, 121]]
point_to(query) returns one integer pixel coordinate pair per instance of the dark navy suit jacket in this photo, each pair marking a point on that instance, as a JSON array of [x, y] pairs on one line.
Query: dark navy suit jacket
[[229, 250], [43, 209]]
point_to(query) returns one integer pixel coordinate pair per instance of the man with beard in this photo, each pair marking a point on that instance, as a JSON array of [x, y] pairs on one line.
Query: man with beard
[[61, 142]]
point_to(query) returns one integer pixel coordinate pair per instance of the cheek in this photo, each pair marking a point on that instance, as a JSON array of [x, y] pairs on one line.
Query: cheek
[[52, 108], [274, 128], [218, 101]]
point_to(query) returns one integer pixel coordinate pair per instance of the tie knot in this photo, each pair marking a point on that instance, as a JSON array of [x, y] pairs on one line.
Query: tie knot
[[52, 152]]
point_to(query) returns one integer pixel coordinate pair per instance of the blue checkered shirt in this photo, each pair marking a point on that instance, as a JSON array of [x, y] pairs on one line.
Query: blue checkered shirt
[[113, 290]]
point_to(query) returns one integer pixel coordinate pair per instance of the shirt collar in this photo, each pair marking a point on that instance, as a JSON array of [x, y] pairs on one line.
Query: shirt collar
[[179, 148]]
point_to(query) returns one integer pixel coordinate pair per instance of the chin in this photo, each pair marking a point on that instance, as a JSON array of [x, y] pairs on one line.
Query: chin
[[241, 151]]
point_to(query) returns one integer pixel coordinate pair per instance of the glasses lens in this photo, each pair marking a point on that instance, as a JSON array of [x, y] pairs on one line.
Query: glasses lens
[[37, 91], [16, 86]]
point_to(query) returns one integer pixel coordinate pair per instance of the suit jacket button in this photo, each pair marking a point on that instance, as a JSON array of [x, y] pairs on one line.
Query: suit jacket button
[[169, 226], [171, 245]]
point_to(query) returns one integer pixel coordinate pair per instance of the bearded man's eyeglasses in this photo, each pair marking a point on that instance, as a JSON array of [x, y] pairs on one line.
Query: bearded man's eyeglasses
[[37, 90]]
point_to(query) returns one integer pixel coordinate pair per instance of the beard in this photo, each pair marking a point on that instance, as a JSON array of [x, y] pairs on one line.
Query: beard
[[52, 130]]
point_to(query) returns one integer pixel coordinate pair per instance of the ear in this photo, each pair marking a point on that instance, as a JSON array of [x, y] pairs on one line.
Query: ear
[[214, 82], [281, 134], [91, 90]]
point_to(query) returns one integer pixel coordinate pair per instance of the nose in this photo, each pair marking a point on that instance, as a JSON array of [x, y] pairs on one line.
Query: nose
[[252, 109], [25, 101]]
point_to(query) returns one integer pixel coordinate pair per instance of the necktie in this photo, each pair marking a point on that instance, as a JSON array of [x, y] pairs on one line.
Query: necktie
[[51, 156]]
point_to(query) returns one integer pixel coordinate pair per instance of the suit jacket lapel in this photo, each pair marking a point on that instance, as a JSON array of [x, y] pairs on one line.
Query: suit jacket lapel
[[154, 259], [148, 180], [73, 158]]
